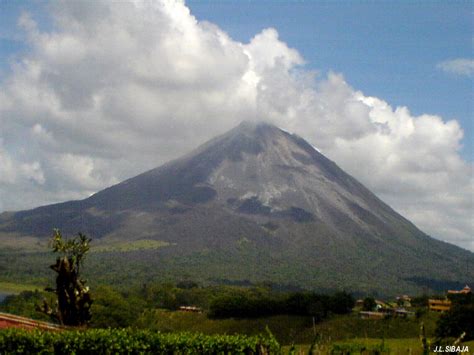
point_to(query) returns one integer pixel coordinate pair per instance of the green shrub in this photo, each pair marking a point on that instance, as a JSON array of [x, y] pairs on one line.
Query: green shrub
[[129, 341], [459, 319]]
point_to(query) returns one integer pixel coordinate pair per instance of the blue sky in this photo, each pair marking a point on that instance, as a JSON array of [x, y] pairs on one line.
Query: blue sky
[[388, 49]]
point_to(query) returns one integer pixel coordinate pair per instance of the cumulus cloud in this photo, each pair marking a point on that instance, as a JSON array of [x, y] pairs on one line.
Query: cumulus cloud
[[13, 171], [115, 89], [459, 66]]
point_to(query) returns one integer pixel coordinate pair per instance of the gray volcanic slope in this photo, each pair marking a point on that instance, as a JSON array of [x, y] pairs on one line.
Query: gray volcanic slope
[[259, 203]]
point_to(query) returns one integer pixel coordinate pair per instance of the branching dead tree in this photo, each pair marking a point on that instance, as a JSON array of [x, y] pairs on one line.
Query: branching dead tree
[[73, 303]]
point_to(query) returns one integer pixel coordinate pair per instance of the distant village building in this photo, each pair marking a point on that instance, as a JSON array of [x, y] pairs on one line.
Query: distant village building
[[464, 291], [439, 305], [382, 305], [12, 321], [445, 304], [372, 315], [190, 309], [378, 304], [384, 310], [404, 301], [403, 313]]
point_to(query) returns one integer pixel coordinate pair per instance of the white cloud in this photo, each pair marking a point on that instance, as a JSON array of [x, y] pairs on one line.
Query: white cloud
[[13, 171], [459, 66], [116, 89], [82, 171], [266, 50]]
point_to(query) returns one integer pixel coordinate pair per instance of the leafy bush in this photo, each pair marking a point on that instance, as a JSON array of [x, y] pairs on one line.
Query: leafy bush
[[128, 341], [456, 321], [459, 319], [112, 309]]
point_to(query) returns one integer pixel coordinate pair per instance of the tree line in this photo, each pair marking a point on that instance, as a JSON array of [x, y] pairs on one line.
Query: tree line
[[248, 304]]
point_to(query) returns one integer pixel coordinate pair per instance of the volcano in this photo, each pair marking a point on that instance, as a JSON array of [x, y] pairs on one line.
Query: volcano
[[259, 204]]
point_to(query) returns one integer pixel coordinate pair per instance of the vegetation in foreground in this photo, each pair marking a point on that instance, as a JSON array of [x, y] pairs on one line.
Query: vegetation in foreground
[[324, 321], [126, 341], [367, 346], [133, 341]]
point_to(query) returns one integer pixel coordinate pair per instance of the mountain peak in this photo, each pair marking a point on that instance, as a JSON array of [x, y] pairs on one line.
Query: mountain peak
[[257, 193], [255, 128], [252, 125]]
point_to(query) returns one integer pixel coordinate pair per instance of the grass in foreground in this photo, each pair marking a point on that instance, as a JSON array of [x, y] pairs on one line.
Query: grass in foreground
[[393, 346], [284, 327], [127, 341], [290, 329]]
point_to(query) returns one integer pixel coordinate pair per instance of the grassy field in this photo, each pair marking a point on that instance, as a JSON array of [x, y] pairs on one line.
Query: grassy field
[[14, 288], [141, 244], [284, 327], [351, 326], [394, 346], [291, 329], [400, 336]]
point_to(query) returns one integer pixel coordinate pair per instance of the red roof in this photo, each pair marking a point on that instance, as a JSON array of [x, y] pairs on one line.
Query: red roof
[[8, 320], [465, 290]]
